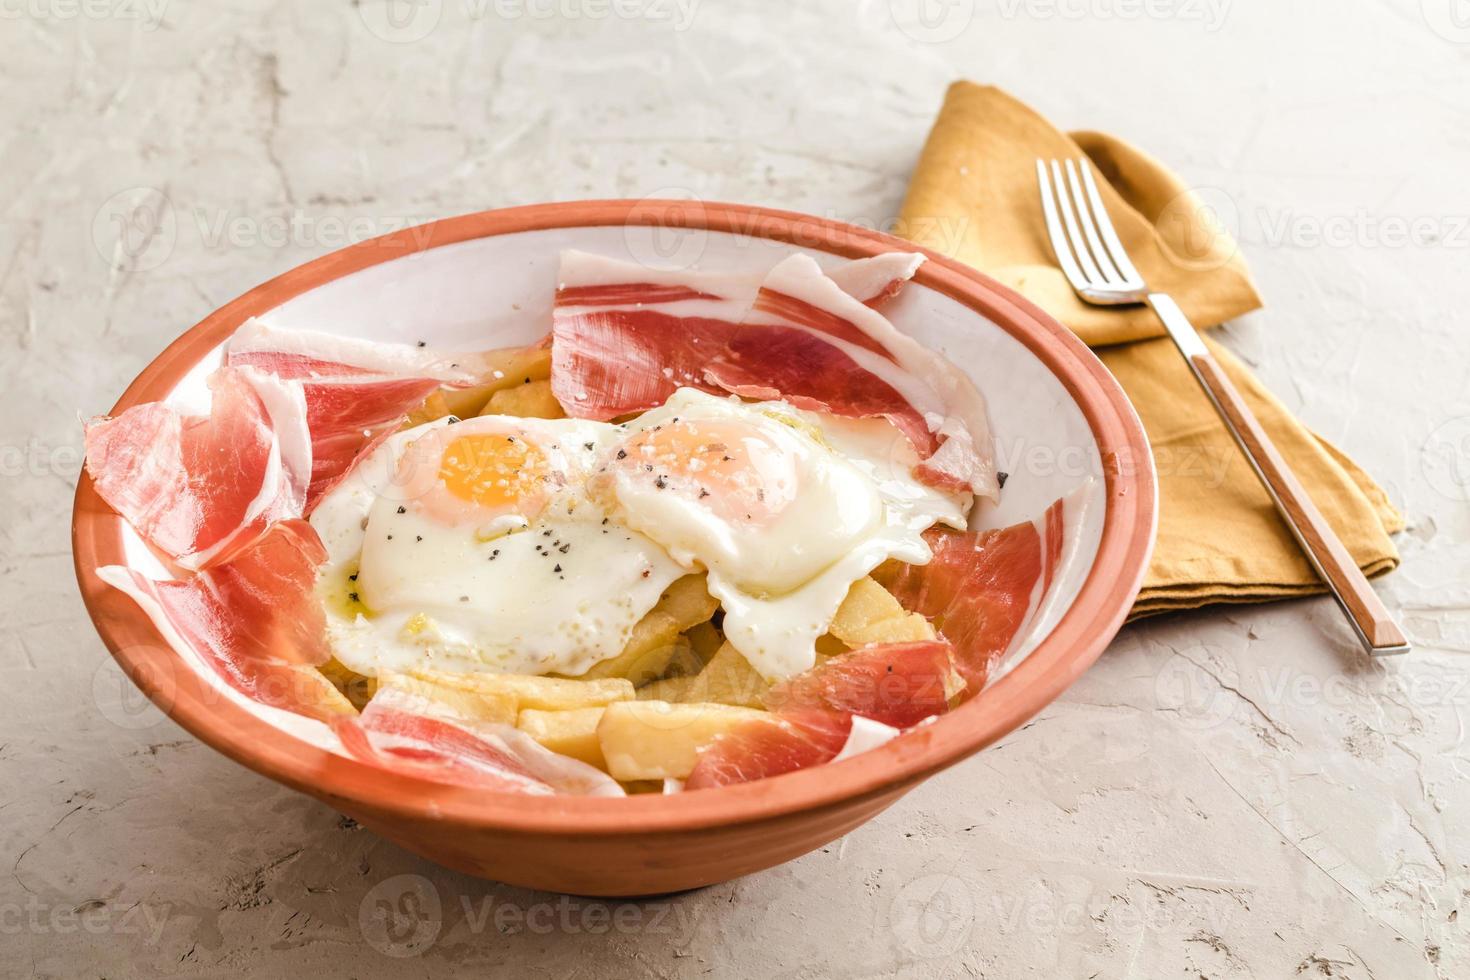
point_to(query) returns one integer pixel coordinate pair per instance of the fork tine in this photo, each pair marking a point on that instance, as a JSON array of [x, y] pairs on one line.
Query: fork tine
[[1059, 244], [1074, 234], [1089, 230], [1116, 251]]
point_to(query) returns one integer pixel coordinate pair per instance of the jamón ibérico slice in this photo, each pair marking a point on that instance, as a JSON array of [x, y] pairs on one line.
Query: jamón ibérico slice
[[982, 588], [414, 735], [352, 389], [197, 487], [798, 337], [313, 354], [254, 619], [897, 684], [797, 738]]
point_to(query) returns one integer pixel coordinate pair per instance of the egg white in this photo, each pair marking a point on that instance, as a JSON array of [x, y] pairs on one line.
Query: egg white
[[556, 593], [781, 583]]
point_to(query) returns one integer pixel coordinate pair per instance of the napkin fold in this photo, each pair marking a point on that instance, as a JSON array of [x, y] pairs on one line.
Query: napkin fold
[[973, 196]]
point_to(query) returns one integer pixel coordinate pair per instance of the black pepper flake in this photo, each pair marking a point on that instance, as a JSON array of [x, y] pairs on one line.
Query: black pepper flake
[[604, 520], [352, 577], [464, 598], [546, 533], [726, 459], [423, 343], [622, 454], [418, 537], [588, 446], [1001, 478], [352, 596], [648, 467], [703, 493], [660, 481], [565, 548], [390, 537], [556, 568], [452, 420], [528, 381], [646, 572], [403, 510]]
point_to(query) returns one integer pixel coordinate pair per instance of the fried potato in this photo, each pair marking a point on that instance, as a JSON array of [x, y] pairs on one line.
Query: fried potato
[[312, 687], [866, 605], [659, 740], [705, 640], [436, 406], [571, 733], [480, 704], [727, 679], [542, 693], [909, 628], [532, 400], [655, 640], [357, 688]]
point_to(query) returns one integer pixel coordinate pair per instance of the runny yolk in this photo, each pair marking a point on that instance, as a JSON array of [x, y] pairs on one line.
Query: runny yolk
[[731, 468], [494, 471]]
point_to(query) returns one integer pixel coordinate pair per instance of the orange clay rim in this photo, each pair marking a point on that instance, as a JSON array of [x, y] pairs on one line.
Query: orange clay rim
[[1078, 639]]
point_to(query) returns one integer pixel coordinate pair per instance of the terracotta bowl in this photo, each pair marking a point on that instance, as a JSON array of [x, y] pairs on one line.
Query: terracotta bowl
[[486, 280]]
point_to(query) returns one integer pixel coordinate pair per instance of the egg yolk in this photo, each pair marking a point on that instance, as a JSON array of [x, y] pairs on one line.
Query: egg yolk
[[732, 468], [493, 471]]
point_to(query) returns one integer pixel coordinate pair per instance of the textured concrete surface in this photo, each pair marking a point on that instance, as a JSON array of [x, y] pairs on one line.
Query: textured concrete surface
[[1230, 794]]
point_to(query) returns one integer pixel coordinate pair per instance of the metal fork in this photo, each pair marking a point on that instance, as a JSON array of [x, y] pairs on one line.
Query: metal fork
[[1097, 266]]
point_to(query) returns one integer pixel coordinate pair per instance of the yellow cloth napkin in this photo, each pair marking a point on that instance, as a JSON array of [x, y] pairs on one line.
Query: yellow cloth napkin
[[974, 197]]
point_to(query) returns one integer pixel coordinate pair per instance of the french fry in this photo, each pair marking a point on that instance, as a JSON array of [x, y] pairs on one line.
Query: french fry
[[727, 679], [572, 733], [655, 639], [532, 400], [542, 693], [659, 740], [480, 704]]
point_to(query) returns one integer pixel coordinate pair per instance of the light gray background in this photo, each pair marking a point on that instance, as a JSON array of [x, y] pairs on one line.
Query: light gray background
[[1225, 795]]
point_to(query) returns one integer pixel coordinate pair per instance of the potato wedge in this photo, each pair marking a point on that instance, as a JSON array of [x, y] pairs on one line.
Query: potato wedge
[[727, 679], [655, 640], [909, 628], [572, 733], [478, 704], [543, 693], [659, 740], [434, 407], [532, 401], [356, 688], [867, 603], [705, 640]]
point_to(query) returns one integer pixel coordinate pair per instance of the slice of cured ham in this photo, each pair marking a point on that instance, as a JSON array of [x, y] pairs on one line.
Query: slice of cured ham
[[198, 487], [313, 354], [413, 735], [254, 619], [982, 589], [620, 347], [352, 389], [896, 684]]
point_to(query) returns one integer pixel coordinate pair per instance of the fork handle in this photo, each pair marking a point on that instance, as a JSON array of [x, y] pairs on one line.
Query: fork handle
[[1370, 619]]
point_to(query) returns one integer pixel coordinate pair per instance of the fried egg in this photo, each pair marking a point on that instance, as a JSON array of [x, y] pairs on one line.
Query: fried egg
[[784, 508], [476, 545]]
